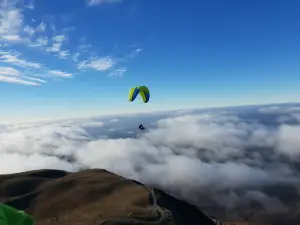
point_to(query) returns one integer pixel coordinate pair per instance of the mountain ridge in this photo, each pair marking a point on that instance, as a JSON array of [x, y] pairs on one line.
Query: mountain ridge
[[93, 197]]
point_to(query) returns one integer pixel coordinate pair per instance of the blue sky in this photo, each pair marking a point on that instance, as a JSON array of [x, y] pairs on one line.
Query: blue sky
[[79, 58]]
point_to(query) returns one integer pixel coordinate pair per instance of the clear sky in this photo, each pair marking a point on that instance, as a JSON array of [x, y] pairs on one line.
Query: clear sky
[[63, 58]]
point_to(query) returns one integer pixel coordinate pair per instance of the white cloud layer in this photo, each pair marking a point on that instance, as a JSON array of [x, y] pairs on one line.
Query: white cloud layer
[[211, 159]]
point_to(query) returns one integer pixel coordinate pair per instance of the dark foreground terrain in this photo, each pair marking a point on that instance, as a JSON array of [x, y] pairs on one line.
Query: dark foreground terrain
[[93, 197], [99, 197]]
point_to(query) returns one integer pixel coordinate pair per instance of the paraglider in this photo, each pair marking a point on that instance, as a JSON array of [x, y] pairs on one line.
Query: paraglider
[[142, 90], [144, 93], [141, 127]]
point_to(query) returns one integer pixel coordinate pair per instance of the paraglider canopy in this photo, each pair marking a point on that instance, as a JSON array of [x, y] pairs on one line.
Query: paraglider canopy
[[142, 90], [12, 216]]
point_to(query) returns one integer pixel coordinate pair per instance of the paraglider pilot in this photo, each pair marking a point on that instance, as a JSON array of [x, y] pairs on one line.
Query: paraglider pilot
[[141, 127], [144, 93]]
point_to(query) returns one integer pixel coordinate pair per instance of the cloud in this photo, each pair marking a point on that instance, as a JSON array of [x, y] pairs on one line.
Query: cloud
[[11, 37], [84, 47], [13, 57], [57, 42], [35, 79], [30, 5], [29, 30], [135, 53], [9, 71], [59, 38], [51, 40], [11, 75], [46, 44], [56, 47], [12, 28], [32, 31], [75, 57], [40, 42], [20, 78], [60, 73], [288, 141], [52, 27], [11, 23], [114, 120], [278, 109], [214, 160], [17, 80], [41, 27], [100, 2], [99, 64], [64, 54], [118, 72]]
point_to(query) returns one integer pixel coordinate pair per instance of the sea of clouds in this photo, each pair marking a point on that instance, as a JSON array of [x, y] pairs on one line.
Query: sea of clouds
[[228, 159]]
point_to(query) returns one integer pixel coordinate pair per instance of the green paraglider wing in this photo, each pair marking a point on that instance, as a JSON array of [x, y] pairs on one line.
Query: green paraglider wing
[[11, 216], [142, 90]]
